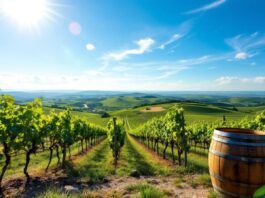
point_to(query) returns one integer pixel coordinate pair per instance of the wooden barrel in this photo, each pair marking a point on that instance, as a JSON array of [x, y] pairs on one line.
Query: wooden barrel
[[237, 161]]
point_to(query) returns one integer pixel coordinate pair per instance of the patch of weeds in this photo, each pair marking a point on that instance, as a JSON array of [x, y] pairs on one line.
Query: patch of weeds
[[204, 180], [54, 193], [190, 169], [164, 179], [212, 194], [114, 194], [95, 177], [178, 182], [193, 183], [145, 190], [70, 170], [137, 187], [168, 192], [89, 194], [151, 192], [200, 180]]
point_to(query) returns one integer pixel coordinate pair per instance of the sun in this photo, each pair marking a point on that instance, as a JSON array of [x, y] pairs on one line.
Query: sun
[[26, 13]]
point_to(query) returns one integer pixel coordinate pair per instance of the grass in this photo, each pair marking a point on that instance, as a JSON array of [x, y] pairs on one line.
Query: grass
[[197, 160], [145, 190], [151, 192], [94, 166], [135, 157], [91, 117], [137, 187], [141, 191], [131, 160], [98, 163], [203, 180], [200, 180], [179, 181], [120, 102], [38, 162], [54, 193], [212, 194], [193, 112], [197, 164]]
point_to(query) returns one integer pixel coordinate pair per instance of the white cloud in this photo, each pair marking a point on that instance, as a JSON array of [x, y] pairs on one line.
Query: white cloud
[[181, 31], [241, 55], [204, 8], [246, 46], [174, 38], [151, 71], [260, 79], [144, 45], [89, 80], [240, 83], [94, 80], [90, 47], [225, 80], [94, 73]]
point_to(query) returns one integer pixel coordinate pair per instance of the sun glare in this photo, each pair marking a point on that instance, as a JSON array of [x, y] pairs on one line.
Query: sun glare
[[26, 13]]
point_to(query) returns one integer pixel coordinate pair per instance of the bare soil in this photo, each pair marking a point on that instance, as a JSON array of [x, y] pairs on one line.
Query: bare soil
[[107, 188], [152, 109]]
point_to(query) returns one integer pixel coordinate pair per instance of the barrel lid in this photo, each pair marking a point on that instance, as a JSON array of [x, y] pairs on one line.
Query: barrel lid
[[238, 133]]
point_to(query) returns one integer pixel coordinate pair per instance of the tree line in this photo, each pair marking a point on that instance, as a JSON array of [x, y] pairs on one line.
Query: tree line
[[27, 129]]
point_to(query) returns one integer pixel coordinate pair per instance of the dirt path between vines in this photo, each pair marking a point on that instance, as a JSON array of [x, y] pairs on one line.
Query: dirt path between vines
[[110, 186]]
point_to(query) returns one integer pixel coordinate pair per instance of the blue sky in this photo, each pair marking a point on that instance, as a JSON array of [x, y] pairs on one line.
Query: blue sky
[[135, 45]]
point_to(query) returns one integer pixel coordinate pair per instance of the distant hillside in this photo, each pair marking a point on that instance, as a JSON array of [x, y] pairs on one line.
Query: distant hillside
[[98, 101]]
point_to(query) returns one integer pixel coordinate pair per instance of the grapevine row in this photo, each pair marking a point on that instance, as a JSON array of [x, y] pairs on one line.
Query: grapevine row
[[27, 128], [116, 136], [200, 133], [168, 131], [172, 131]]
